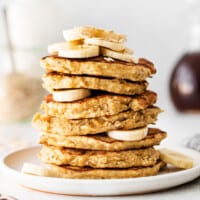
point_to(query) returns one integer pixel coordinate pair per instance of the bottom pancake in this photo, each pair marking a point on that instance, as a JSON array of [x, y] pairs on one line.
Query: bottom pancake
[[102, 141], [99, 159], [91, 173]]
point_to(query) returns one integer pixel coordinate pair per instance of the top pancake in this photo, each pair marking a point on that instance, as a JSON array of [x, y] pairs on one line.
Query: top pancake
[[98, 66]]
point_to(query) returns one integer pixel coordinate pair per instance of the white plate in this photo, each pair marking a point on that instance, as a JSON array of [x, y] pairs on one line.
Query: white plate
[[12, 164]]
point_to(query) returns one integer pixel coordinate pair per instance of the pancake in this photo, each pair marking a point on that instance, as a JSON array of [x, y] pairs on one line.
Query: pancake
[[55, 81], [97, 106], [99, 66], [102, 141], [91, 173], [99, 159], [124, 120]]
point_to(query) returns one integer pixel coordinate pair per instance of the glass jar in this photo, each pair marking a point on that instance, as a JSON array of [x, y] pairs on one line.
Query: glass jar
[[20, 96]]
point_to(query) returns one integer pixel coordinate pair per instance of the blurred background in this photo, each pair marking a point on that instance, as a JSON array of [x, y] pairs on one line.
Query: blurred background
[[161, 31]]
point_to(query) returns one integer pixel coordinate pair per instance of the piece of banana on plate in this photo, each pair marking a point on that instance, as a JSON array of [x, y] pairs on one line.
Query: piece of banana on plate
[[30, 168], [175, 158]]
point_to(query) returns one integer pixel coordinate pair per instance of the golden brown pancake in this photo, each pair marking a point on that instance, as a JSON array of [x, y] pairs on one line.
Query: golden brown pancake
[[91, 173], [124, 120], [56, 81], [99, 66], [97, 106], [99, 159], [102, 141]]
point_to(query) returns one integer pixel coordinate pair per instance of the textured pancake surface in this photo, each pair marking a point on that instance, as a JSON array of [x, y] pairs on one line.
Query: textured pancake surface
[[97, 106], [91, 173], [54, 81], [102, 141], [124, 120], [100, 67], [99, 159]]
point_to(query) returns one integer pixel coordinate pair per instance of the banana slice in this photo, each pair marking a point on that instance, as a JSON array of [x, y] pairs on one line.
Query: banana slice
[[118, 55], [103, 43], [128, 51], [56, 47], [130, 135], [70, 95], [92, 32], [175, 158], [29, 168], [79, 51]]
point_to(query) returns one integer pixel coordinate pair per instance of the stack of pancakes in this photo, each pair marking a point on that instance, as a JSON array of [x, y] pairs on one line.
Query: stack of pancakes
[[111, 96]]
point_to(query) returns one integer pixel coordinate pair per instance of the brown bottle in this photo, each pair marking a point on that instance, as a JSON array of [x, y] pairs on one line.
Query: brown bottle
[[185, 78], [185, 83]]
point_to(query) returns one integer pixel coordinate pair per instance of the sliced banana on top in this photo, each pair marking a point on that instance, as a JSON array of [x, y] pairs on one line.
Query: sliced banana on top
[[92, 32], [128, 51], [70, 95], [56, 47], [87, 42], [103, 43], [129, 135], [124, 56], [175, 158], [79, 51]]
